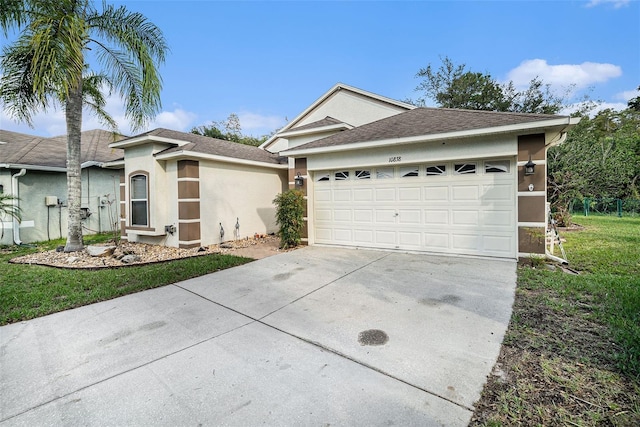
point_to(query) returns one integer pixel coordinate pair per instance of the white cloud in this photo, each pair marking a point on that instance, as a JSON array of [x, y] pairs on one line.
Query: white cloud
[[580, 75], [258, 122], [52, 123], [177, 119], [627, 95], [616, 3]]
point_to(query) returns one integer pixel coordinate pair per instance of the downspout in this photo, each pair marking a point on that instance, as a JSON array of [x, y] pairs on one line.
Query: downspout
[[16, 203]]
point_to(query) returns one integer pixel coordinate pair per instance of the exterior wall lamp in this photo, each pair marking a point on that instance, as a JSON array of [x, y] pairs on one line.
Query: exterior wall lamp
[[299, 180], [529, 167]]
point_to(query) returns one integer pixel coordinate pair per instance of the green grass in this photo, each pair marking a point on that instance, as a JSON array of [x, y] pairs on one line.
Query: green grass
[[572, 349], [30, 291]]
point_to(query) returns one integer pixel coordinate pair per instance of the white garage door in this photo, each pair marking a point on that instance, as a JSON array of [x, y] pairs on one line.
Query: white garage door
[[449, 207]]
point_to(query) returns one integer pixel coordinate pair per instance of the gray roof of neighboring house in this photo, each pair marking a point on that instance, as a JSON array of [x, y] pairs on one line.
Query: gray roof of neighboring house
[[23, 149], [425, 121], [218, 147]]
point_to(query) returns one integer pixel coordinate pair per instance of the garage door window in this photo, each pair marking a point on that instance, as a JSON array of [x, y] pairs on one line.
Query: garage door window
[[496, 166], [465, 168], [341, 175], [363, 174], [409, 171], [385, 173], [322, 176], [436, 170]]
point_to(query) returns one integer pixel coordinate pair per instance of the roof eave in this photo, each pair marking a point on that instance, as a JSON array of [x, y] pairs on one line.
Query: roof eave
[[182, 154], [562, 124], [146, 139], [32, 167], [312, 131]]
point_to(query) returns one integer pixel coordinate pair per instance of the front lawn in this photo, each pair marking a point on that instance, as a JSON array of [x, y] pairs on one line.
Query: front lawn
[[29, 291], [571, 355]]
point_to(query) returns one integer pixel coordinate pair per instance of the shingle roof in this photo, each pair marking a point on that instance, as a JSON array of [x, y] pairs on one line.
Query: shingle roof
[[426, 121], [327, 121], [219, 147], [25, 149]]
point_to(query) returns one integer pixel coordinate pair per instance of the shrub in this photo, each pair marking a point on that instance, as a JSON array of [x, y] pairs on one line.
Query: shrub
[[289, 216]]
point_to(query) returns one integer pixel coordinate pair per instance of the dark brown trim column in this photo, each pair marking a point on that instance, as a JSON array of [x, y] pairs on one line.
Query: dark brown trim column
[[189, 232], [532, 196], [300, 166], [123, 207]]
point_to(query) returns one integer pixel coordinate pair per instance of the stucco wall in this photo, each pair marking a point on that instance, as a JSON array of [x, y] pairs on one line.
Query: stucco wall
[[420, 152], [231, 192], [351, 108], [40, 222]]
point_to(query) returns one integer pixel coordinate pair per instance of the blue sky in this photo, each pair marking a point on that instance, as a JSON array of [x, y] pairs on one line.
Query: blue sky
[[267, 61]]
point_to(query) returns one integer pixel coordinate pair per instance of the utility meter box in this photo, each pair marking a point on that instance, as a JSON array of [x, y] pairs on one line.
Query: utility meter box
[[51, 200]]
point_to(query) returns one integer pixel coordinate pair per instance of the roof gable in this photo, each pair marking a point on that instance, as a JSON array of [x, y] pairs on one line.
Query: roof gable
[[346, 104]]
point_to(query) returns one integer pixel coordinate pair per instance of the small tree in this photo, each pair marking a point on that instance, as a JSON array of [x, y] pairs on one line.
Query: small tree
[[290, 217]]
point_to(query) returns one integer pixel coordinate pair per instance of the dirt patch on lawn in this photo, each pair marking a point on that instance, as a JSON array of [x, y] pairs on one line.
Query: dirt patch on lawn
[[141, 253]]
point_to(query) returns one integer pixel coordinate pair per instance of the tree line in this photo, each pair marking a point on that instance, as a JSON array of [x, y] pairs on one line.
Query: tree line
[[601, 155]]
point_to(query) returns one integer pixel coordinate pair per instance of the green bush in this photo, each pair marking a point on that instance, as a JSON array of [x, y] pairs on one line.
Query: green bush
[[289, 216]]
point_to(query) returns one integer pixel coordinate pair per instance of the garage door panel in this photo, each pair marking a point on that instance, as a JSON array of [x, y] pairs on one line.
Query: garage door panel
[[342, 215], [363, 194], [363, 237], [323, 234], [409, 216], [385, 216], [342, 235], [410, 239], [436, 241], [497, 218], [497, 192], [436, 194], [497, 244], [436, 217], [342, 195], [465, 193], [363, 215], [465, 217], [323, 195], [385, 194], [409, 194], [387, 238], [465, 242]]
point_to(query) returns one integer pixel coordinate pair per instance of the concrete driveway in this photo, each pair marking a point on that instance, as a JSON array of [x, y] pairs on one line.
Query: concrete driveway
[[317, 336]]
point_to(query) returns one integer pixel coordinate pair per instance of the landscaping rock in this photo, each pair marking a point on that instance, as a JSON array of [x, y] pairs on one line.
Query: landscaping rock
[[72, 259], [100, 251], [128, 259]]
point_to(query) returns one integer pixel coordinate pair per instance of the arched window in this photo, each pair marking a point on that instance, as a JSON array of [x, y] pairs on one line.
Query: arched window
[[139, 201]]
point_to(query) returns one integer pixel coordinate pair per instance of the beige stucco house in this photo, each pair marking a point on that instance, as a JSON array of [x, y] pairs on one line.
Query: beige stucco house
[[382, 174], [377, 173], [186, 190], [34, 169]]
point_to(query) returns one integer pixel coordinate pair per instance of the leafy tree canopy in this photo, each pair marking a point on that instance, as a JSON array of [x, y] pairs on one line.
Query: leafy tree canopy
[[229, 130], [454, 86]]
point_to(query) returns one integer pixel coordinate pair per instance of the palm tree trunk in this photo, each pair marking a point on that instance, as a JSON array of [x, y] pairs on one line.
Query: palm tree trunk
[[73, 115]]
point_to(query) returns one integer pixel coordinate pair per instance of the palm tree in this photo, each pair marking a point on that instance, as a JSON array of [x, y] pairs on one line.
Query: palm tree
[[8, 209], [49, 65]]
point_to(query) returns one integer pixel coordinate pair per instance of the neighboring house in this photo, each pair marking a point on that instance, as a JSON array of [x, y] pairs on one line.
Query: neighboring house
[[186, 190], [34, 169], [421, 179]]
